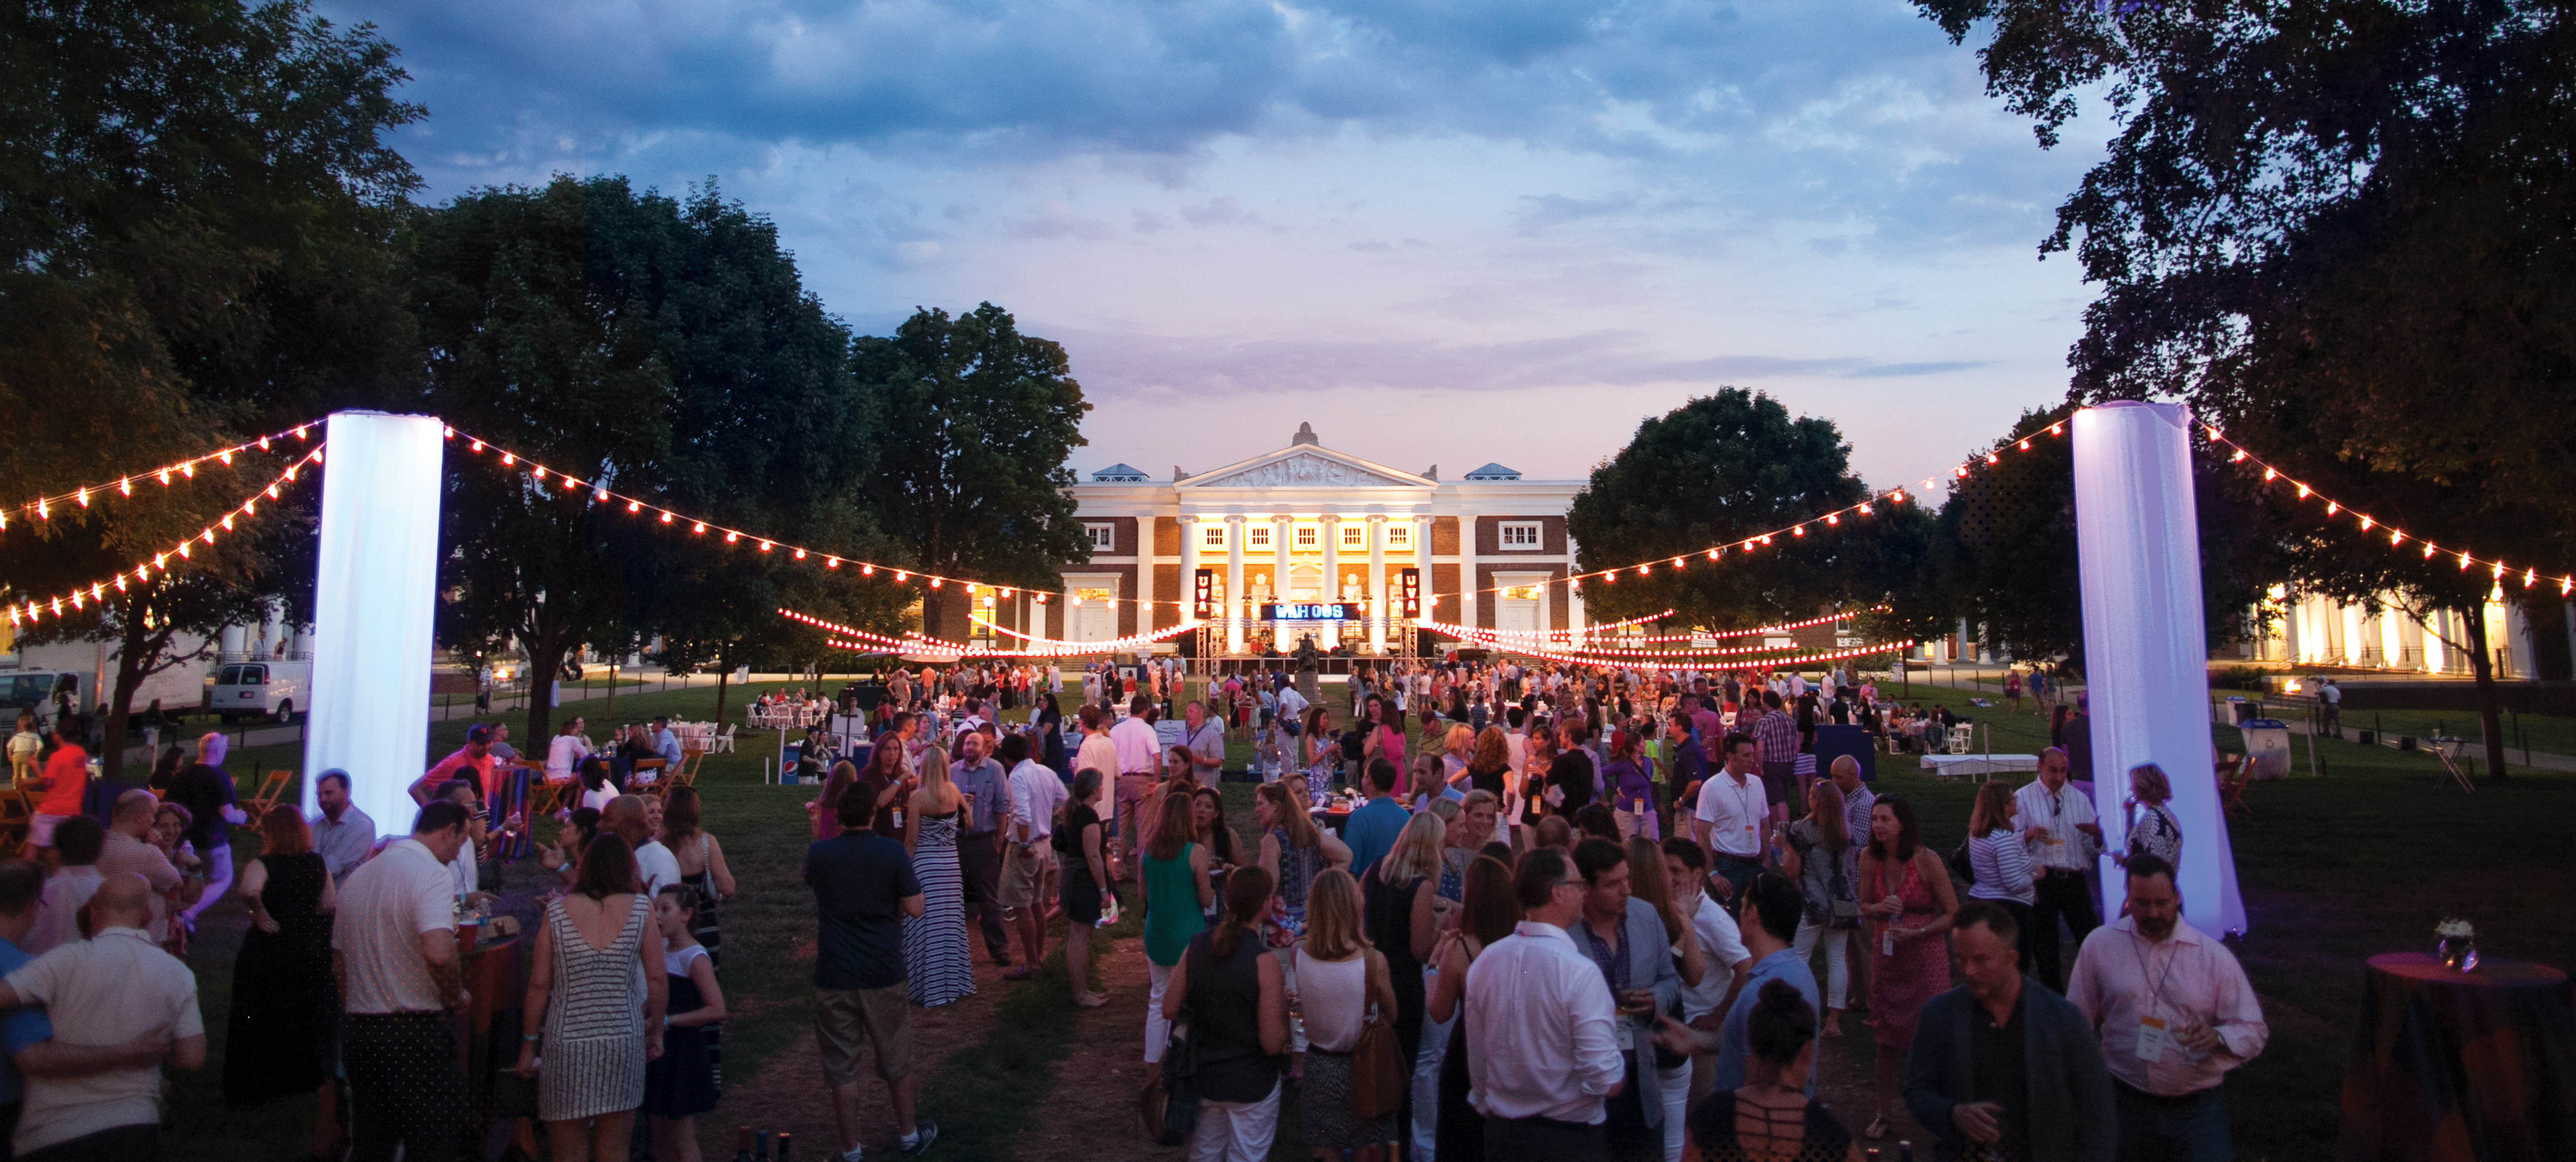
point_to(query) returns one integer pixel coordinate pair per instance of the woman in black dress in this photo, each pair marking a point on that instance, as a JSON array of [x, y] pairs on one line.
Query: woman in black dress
[[1770, 1118], [285, 1004], [681, 1083], [1489, 912]]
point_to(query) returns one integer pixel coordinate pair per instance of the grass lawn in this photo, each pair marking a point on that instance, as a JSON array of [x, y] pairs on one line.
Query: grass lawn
[[2329, 868]]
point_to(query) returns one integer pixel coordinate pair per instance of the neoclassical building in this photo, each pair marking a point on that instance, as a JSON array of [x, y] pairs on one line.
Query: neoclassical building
[[1308, 525]]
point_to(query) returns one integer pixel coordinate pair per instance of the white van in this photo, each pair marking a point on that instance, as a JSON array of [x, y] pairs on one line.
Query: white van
[[34, 690], [262, 690]]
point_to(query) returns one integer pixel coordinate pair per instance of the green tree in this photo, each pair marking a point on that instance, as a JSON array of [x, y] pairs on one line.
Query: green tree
[[2339, 230], [972, 478], [196, 204], [1716, 471]]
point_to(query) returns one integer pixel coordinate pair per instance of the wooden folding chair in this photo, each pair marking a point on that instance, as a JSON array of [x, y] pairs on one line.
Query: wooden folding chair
[[270, 788], [2233, 774], [17, 815], [686, 774]]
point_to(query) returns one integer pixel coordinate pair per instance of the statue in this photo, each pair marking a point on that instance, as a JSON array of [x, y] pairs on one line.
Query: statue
[[1306, 653]]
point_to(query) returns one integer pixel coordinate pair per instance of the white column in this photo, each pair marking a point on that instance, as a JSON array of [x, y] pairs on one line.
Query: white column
[[1330, 529], [2145, 652], [1144, 577], [1376, 587], [1281, 528], [1234, 585], [1573, 596], [375, 596], [1422, 561], [1468, 598], [1189, 568]]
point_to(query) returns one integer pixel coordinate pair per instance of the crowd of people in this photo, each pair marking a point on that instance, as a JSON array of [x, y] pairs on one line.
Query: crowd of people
[[1576, 910]]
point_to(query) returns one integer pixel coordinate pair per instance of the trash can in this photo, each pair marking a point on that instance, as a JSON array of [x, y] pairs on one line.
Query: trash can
[[2267, 749], [2242, 710]]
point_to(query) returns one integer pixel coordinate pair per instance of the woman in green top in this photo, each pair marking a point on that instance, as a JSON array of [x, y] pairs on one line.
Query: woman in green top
[[1176, 895]]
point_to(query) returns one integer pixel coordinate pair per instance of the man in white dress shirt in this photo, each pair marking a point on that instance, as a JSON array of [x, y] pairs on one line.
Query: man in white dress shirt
[[2058, 827], [1542, 1045]]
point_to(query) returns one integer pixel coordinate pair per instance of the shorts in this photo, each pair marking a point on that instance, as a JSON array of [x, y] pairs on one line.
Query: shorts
[[40, 829], [1024, 874], [845, 1018]]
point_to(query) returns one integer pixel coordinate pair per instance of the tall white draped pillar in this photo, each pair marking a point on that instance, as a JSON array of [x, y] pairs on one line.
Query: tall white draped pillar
[[2145, 649], [375, 595]]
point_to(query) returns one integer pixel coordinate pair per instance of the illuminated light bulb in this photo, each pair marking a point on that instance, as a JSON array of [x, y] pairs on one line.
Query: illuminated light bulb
[[157, 559], [1678, 563], [188, 470], [210, 536], [2498, 572], [732, 537], [2303, 492], [317, 455], [449, 434], [1991, 458], [2365, 524], [250, 508], [42, 513], [125, 487], [2333, 507], [2529, 576], [76, 600], [698, 528], [2054, 430], [299, 431], [2395, 538], [1642, 570], [184, 549], [934, 582], [2566, 585], [2464, 560], [2238, 458], [509, 458], [867, 570], [1766, 538], [83, 497], [2428, 550], [1962, 472], [478, 446], [540, 472], [831, 562], [1799, 531], [800, 554], [1606, 579], [120, 583], [165, 478], [97, 593], [226, 456], [666, 518], [2213, 433], [2025, 445], [634, 506], [2269, 475], [764, 546], [902, 575]]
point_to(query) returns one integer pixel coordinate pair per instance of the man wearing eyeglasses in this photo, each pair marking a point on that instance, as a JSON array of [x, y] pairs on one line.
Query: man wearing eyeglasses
[[1543, 1053]]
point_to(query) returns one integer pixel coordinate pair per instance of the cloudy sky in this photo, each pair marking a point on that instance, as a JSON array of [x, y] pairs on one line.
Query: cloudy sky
[[1444, 231]]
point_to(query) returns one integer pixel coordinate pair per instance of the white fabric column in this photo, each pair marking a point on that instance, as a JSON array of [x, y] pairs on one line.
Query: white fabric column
[[1422, 560], [1468, 598], [1189, 569], [1234, 585], [2145, 650], [374, 597], [1330, 530], [1376, 586]]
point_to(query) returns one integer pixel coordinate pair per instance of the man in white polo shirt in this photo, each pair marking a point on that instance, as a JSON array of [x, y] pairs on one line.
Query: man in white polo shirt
[[1734, 816], [393, 947], [119, 1007]]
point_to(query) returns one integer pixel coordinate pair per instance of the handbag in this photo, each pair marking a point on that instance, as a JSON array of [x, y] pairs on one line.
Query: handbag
[[1844, 909], [1169, 1104], [1379, 1074]]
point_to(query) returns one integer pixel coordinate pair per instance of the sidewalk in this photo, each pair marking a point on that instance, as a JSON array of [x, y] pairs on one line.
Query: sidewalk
[[2536, 760], [275, 735]]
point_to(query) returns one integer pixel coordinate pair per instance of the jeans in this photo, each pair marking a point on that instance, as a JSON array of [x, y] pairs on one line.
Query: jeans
[[1738, 872], [1837, 962], [1158, 1029], [1426, 1079], [1522, 1139], [1235, 1131], [2191, 1128]]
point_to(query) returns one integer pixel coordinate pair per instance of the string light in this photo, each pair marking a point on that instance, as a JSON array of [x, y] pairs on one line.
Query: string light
[[43, 506], [917, 643], [1567, 636], [96, 591], [1597, 657]]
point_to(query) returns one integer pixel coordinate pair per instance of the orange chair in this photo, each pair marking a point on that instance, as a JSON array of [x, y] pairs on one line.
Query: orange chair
[[271, 787]]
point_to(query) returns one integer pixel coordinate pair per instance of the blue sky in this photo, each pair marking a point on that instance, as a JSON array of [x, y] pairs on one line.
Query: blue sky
[[1444, 232]]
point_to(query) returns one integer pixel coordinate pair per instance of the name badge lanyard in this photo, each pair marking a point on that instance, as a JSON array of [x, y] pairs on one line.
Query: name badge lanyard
[[2152, 1029]]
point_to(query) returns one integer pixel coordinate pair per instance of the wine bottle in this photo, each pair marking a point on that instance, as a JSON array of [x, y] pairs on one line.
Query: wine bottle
[[760, 1146], [1904, 1151], [742, 1145], [784, 1139]]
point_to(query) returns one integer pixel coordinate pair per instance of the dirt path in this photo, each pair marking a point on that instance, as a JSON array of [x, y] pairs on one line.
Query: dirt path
[[1091, 1112], [787, 1092]]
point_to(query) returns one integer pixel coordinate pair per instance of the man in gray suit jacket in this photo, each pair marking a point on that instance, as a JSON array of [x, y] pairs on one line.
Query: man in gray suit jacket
[[2003, 1060], [1626, 938]]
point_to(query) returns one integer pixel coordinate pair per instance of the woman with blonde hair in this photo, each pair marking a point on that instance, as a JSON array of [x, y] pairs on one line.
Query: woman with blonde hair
[[1175, 894], [1819, 854], [2154, 831], [1339, 980], [1454, 747], [1403, 923], [935, 958]]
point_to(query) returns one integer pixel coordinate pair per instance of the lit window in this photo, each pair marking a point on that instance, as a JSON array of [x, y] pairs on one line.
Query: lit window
[[1258, 536], [1354, 536], [1523, 592], [1520, 536], [1093, 595], [1104, 536], [1211, 536], [1398, 535], [1306, 536]]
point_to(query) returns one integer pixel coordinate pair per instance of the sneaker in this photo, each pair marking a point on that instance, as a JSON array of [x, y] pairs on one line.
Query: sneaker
[[929, 1131], [856, 1153]]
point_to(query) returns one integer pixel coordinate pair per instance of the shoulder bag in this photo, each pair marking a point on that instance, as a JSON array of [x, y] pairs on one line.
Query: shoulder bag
[[1379, 1074], [1169, 1104]]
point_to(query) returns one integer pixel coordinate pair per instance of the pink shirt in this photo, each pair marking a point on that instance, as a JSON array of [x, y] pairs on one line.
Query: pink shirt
[[2189, 979]]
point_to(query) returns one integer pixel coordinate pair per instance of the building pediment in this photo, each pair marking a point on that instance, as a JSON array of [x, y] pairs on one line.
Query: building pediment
[[1307, 467]]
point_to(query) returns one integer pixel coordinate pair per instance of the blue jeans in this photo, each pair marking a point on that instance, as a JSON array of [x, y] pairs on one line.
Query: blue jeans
[[2191, 1128]]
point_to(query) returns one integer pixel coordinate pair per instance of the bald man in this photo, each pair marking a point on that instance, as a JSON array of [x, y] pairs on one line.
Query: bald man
[[119, 1007]]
